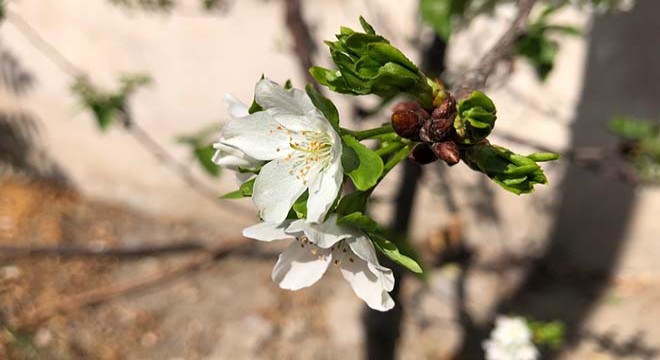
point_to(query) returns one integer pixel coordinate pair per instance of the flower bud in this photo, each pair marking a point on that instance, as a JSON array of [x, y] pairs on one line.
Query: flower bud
[[446, 109], [447, 151], [408, 123], [436, 130], [422, 154]]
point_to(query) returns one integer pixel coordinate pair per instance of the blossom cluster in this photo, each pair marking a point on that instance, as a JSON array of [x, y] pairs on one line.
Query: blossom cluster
[[511, 339]]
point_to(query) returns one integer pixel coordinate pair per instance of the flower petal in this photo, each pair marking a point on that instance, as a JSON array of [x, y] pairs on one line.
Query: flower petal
[[236, 108], [278, 101], [327, 233], [300, 265], [258, 136], [364, 249], [231, 157], [323, 191], [366, 285], [276, 189], [266, 231]]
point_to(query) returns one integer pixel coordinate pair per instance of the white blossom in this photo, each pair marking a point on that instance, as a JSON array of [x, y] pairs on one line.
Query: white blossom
[[510, 340], [301, 150], [316, 247]]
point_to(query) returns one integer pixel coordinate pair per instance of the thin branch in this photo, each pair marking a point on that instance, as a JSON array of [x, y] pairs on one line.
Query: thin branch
[[300, 32], [13, 252], [142, 136], [503, 49], [110, 292], [42, 45]]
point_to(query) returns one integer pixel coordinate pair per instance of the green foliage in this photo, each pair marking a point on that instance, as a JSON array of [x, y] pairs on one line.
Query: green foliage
[[300, 206], [324, 105], [475, 118], [201, 148], [353, 202], [360, 163], [641, 145], [368, 64], [515, 173], [550, 334], [536, 45], [358, 220], [108, 106], [390, 250], [245, 190]]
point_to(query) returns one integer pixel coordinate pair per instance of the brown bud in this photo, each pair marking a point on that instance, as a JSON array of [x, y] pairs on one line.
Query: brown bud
[[406, 105], [447, 151], [422, 154], [447, 109], [436, 130], [408, 123]]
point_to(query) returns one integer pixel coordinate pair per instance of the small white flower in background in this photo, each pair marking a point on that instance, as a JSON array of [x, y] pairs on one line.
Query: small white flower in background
[[303, 150], [316, 246], [510, 340]]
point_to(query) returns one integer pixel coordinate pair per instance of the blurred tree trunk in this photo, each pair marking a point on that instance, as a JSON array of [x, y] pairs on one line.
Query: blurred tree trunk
[[384, 328]]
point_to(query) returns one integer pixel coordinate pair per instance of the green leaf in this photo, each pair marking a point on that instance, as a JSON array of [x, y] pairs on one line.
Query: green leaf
[[204, 156], [237, 194], [300, 206], [360, 163], [475, 118], [358, 220], [353, 202], [255, 107], [438, 14], [543, 156], [366, 26], [324, 105], [245, 190], [390, 250]]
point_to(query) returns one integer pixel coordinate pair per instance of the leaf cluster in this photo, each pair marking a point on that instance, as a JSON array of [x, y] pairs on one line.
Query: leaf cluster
[[475, 117], [108, 106], [368, 64], [515, 173], [641, 145]]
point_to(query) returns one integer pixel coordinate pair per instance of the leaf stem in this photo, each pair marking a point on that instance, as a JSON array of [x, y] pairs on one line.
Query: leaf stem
[[388, 149], [369, 133]]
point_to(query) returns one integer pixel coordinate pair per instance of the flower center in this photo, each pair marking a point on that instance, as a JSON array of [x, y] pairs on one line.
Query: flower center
[[312, 153]]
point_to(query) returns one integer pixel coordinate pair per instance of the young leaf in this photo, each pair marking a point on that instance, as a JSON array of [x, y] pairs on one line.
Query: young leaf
[[300, 206], [324, 105], [390, 250], [204, 156], [358, 220], [245, 190], [353, 202], [360, 163]]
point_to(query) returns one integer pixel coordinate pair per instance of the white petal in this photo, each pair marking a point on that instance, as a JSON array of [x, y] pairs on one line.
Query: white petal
[[231, 157], [366, 284], [258, 136], [323, 191], [278, 101], [300, 266], [266, 231], [276, 189], [236, 108], [327, 233], [364, 249]]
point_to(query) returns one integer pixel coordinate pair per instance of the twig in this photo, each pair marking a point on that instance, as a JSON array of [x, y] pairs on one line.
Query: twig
[[42, 45], [160, 153], [503, 48], [13, 252], [304, 44], [115, 290], [143, 137]]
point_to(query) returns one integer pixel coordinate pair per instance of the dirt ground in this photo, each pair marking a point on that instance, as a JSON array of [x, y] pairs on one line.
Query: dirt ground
[[68, 307]]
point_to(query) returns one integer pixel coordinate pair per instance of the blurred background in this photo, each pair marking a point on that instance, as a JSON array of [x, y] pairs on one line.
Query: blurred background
[[114, 244]]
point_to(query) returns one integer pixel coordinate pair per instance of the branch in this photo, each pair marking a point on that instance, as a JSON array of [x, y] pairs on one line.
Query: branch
[[106, 293], [503, 49], [302, 38], [13, 252], [142, 137]]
